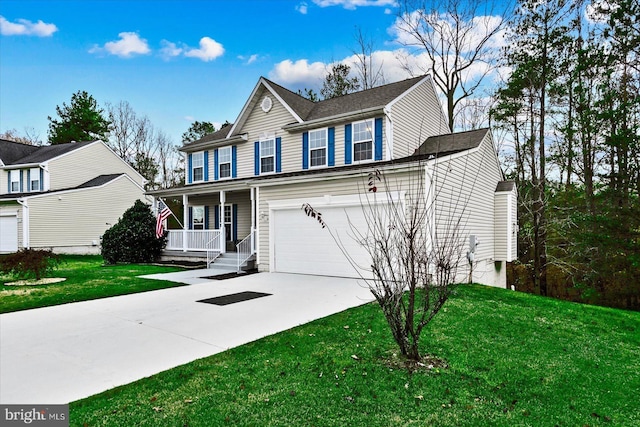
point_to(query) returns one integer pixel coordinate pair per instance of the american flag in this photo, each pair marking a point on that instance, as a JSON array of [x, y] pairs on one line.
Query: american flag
[[163, 213]]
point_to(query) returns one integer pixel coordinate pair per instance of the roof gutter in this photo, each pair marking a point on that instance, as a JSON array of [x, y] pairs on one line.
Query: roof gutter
[[23, 166], [197, 146], [361, 114]]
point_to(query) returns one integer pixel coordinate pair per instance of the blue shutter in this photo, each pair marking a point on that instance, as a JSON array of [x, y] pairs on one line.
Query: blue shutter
[[215, 165], [206, 166], [206, 217], [190, 169], [305, 150], [21, 181], [190, 218], [234, 212], [234, 162], [278, 154], [378, 139], [331, 147], [256, 159], [41, 179], [216, 219], [28, 180], [347, 144]]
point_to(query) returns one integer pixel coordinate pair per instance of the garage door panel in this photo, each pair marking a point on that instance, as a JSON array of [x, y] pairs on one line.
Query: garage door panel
[[301, 245], [8, 233]]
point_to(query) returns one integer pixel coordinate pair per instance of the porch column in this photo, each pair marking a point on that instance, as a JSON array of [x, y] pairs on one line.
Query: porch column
[[253, 218], [223, 238], [185, 222]]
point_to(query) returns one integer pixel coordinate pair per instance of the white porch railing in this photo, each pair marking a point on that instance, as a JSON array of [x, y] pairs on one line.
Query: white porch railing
[[194, 240], [246, 248], [214, 249]]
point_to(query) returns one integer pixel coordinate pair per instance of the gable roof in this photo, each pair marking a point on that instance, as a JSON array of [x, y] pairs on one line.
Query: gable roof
[[45, 153], [451, 143], [307, 110], [11, 151], [94, 182]]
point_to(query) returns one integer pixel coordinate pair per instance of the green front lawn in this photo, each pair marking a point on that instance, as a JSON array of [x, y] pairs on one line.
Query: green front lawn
[[513, 360], [87, 278]]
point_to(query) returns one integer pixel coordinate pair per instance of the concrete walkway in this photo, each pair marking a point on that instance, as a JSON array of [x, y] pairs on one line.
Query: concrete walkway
[[64, 353]]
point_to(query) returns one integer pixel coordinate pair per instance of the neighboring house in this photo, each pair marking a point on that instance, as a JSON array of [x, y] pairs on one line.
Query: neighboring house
[[62, 197], [246, 183]]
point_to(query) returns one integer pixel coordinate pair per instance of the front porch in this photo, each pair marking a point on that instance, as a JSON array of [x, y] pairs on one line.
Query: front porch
[[216, 223]]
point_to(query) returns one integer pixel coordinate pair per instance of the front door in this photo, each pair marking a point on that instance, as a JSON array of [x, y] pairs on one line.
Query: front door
[[228, 222]]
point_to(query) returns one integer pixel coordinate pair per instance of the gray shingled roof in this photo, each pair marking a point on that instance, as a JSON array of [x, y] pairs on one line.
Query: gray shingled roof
[[50, 151], [505, 186], [452, 143], [95, 182], [353, 102], [219, 134], [11, 151]]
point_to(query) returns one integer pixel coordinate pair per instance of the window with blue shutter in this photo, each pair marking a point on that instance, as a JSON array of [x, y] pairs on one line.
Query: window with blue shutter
[[378, 139], [216, 220], [278, 154], [206, 165], [216, 176], [190, 169], [256, 159], [235, 222], [347, 144], [331, 146], [234, 162], [305, 150], [206, 217]]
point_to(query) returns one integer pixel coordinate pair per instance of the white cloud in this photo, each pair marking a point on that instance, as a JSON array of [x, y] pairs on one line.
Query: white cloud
[[299, 73], [128, 45], [302, 8], [388, 11], [249, 60], [208, 51], [352, 4], [24, 27], [169, 50]]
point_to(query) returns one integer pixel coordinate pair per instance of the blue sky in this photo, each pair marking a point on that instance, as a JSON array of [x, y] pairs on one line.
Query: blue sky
[[176, 61]]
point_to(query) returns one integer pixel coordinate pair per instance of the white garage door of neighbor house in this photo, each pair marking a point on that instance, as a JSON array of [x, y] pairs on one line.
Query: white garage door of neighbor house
[[8, 233], [301, 245]]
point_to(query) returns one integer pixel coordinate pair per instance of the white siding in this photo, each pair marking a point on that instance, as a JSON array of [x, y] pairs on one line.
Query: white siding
[[78, 218], [416, 116], [84, 164], [464, 199]]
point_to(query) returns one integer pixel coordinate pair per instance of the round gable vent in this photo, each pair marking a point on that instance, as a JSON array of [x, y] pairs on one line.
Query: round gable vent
[[266, 104]]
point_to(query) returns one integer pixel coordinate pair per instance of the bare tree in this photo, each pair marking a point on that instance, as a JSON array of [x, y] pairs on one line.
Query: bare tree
[[370, 74], [458, 39], [415, 257], [30, 137]]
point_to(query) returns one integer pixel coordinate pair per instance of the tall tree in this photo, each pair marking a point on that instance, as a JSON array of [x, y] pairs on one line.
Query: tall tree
[[459, 39], [338, 83], [81, 120], [197, 130], [370, 74]]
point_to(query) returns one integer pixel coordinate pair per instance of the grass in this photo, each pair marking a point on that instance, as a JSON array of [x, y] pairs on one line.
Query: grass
[[87, 278], [513, 360]]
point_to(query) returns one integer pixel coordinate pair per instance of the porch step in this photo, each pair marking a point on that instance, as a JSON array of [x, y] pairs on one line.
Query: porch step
[[230, 260]]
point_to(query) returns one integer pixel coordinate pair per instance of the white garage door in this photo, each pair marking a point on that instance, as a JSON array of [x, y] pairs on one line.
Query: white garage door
[[301, 245], [8, 233]]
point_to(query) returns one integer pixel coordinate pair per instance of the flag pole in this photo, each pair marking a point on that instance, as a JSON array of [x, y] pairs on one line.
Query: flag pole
[[174, 215]]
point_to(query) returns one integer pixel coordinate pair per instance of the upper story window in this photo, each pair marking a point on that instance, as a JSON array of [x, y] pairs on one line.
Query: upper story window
[[197, 166], [14, 181], [267, 156], [224, 162], [34, 179], [318, 147], [363, 141]]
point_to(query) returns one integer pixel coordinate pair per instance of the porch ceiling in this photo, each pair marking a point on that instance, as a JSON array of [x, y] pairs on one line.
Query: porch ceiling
[[203, 188]]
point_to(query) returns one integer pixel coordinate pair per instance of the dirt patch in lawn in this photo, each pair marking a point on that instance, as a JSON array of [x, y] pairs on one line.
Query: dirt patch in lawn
[[31, 282]]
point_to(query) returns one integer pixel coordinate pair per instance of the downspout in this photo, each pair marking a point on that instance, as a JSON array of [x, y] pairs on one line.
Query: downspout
[[25, 223], [389, 132]]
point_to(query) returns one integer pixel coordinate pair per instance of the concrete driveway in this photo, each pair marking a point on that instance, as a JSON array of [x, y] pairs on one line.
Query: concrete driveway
[[64, 353]]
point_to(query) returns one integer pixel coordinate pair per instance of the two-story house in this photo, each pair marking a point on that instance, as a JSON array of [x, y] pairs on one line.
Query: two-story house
[[62, 197], [246, 183]]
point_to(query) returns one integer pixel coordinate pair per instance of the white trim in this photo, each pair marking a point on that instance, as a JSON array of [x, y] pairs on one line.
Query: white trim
[[326, 148], [193, 175], [388, 131], [257, 224], [25, 222], [274, 155], [373, 141], [230, 162], [284, 104], [408, 91], [73, 190]]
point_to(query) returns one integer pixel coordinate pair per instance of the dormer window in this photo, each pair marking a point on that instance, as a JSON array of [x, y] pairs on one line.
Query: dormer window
[[197, 166], [363, 141], [318, 147], [34, 179]]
